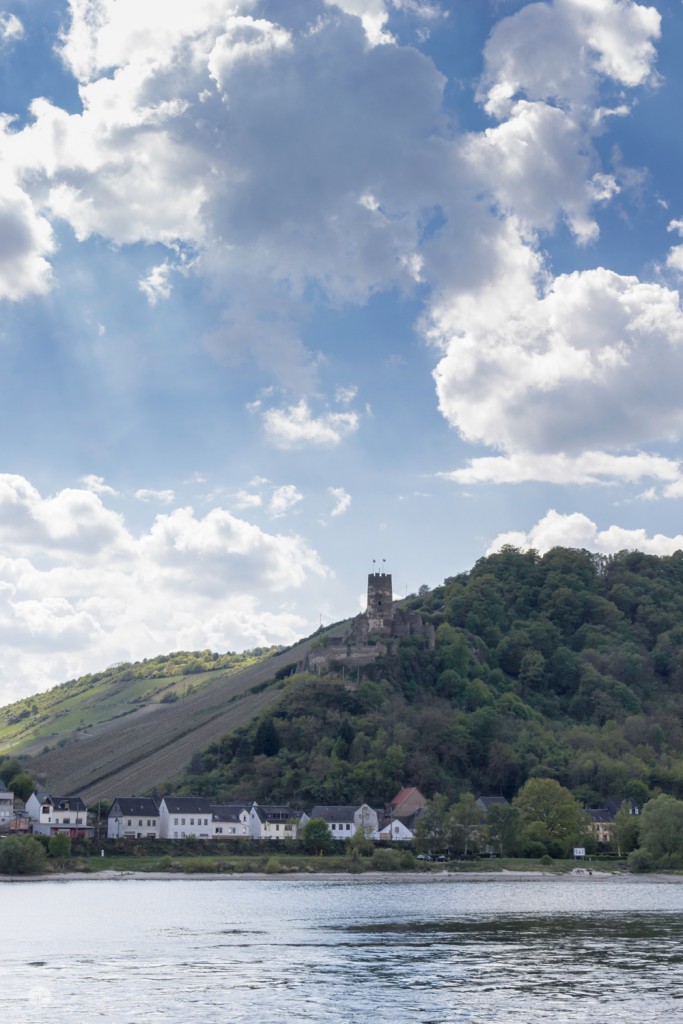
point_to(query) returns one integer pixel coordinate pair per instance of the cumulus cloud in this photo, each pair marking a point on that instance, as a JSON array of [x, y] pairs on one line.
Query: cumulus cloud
[[578, 531], [296, 425], [96, 484], [157, 285], [557, 51], [284, 499], [187, 581], [26, 242], [342, 500], [231, 110], [11, 28], [591, 362]]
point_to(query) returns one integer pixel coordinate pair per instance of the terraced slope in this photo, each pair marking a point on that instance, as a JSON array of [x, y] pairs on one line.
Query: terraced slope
[[128, 756]]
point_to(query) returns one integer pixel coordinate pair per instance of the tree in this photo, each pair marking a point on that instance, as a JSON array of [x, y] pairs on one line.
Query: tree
[[267, 739], [504, 824], [464, 825], [21, 855], [430, 832], [661, 828], [22, 785], [550, 814], [625, 829], [360, 842], [59, 847], [316, 836]]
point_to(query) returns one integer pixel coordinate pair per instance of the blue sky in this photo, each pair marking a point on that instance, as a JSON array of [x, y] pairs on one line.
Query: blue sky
[[286, 288]]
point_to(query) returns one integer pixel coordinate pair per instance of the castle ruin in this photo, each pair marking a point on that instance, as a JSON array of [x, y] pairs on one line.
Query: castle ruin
[[375, 632]]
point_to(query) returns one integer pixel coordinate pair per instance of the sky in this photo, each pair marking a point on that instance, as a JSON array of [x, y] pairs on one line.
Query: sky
[[290, 293]]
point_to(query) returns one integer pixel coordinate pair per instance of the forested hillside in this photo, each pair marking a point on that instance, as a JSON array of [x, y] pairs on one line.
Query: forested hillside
[[567, 666]]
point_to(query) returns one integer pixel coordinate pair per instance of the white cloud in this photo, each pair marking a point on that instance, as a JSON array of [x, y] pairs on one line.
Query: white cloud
[[186, 582], [284, 499], [556, 51], [11, 28], [373, 15], [165, 497], [578, 531], [296, 425], [156, 285], [591, 362], [342, 501], [96, 484], [246, 499], [589, 467], [26, 240]]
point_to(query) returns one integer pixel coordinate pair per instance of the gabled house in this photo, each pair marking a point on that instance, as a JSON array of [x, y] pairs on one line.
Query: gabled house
[[395, 830], [230, 821], [273, 822], [185, 816], [406, 802], [49, 815], [134, 817], [344, 820], [601, 823], [6, 807]]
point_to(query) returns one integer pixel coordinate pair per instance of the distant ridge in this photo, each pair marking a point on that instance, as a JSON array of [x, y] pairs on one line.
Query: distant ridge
[[150, 744]]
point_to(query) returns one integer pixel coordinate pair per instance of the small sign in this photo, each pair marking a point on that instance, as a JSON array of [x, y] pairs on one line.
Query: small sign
[[579, 851]]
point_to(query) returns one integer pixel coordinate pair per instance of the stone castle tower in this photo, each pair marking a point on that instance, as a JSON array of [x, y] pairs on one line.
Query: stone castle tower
[[380, 601]]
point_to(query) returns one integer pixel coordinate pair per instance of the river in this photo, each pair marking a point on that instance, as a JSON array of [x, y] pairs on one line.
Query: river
[[352, 950]]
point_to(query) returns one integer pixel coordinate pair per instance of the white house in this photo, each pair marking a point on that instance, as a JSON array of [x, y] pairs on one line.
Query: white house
[[344, 821], [49, 815], [394, 830], [133, 818], [185, 816], [6, 807], [273, 822], [230, 821]]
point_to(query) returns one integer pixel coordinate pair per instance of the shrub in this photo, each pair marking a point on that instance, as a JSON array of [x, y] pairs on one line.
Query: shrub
[[21, 855], [639, 861], [385, 860], [273, 866]]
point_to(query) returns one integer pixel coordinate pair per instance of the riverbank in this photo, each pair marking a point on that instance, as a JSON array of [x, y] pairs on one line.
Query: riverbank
[[580, 875]]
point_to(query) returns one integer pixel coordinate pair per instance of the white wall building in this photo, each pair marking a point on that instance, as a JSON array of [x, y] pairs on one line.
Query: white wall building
[[134, 818], [49, 815], [185, 816]]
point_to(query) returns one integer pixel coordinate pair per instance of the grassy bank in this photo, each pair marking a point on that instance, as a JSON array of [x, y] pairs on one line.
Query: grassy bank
[[291, 863]]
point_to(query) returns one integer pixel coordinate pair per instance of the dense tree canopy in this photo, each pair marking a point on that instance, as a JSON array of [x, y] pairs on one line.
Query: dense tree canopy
[[566, 666]]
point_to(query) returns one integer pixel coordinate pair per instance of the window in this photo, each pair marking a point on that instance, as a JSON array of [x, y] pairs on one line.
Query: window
[[191, 821], [128, 822], [219, 831], [182, 822], [175, 822], [140, 821]]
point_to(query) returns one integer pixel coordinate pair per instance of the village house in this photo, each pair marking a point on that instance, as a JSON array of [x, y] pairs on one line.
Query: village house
[[344, 821], [270, 822], [51, 815], [185, 816], [395, 830], [230, 821], [134, 818], [6, 807]]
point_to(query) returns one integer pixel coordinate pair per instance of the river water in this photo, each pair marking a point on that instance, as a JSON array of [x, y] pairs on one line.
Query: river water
[[372, 951]]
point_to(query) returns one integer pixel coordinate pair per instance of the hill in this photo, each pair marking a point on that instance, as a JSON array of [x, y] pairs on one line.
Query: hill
[[136, 726], [568, 666]]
